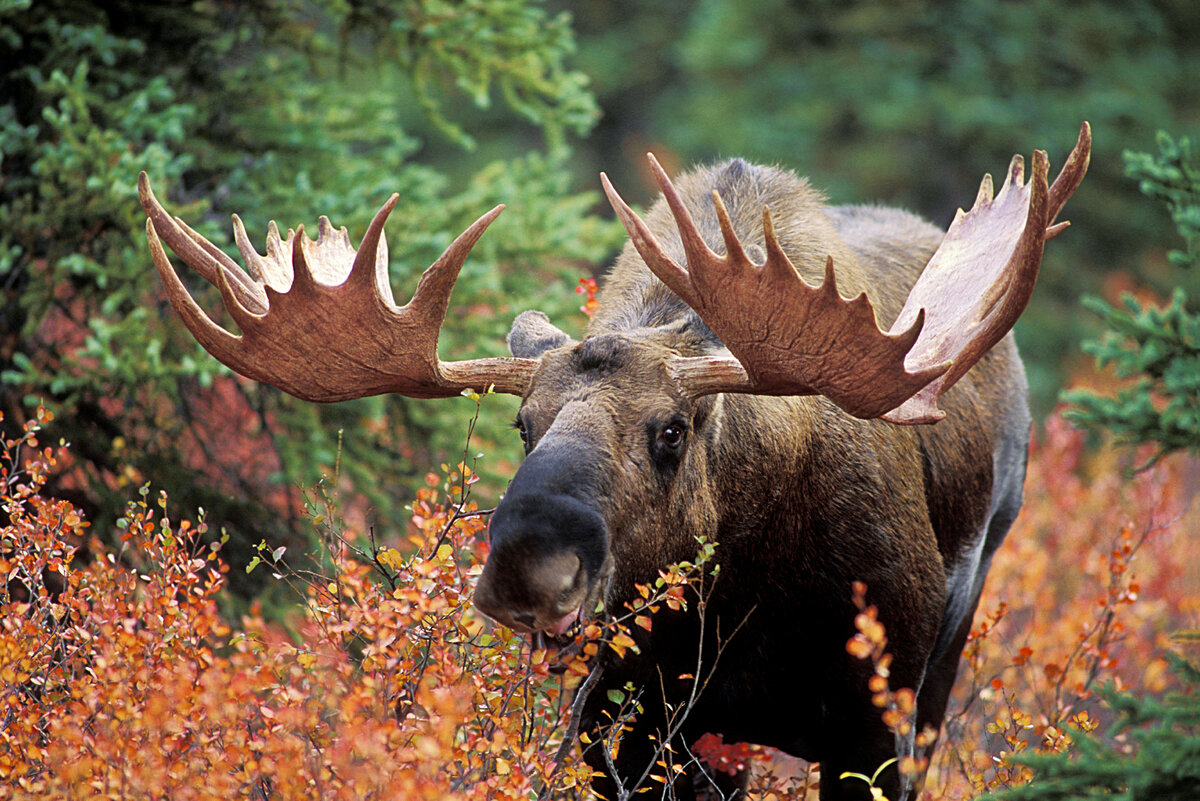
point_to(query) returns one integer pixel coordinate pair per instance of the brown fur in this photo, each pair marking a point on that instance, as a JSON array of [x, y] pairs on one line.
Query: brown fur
[[802, 499]]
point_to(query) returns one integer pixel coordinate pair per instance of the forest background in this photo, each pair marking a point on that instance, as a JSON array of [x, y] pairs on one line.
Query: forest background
[[286, 110]]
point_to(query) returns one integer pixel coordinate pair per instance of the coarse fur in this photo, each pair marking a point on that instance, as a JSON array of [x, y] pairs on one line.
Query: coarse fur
[[802, 499]]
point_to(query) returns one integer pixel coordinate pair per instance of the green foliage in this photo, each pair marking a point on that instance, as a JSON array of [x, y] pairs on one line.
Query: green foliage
[[1172, 178], [1159, 760], [1161, 348], [1158, 347], [285, 109], [509, 43]]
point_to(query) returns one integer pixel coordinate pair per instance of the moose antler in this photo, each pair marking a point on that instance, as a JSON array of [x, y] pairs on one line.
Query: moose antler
[[802, 340], [317, 317]]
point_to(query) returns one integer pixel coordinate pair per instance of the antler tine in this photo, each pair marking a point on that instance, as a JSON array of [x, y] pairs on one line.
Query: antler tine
[[369, 270], [734, 252], [432, 297], [330, 331], [304, 283], [260, 269], [780, 266], [279, 251], [702, 261], [1068, 180], [662, 265], [986, 191]]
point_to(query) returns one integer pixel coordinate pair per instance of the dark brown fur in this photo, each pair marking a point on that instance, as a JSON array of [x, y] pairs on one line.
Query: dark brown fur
[[802, 499]]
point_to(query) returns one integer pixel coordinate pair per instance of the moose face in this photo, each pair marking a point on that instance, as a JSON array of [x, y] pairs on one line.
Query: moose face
[[609, 484]]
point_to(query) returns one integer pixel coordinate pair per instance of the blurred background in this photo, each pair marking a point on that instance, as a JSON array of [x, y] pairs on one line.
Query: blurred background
[[289, 109]]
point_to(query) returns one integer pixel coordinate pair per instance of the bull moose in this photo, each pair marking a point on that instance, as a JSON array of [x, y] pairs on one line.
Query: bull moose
[[749, 377]]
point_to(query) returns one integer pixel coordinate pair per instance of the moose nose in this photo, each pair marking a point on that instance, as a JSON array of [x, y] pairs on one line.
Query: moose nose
[[531, 592], [548, 543]]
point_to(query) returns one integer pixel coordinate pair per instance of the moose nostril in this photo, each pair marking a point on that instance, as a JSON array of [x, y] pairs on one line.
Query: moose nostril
[[526, 619]]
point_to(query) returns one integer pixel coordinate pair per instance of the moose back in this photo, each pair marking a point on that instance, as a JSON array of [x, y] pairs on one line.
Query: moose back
[[752, 376]]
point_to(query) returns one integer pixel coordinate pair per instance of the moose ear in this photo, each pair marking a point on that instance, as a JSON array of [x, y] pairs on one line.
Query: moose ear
[[533, 334]]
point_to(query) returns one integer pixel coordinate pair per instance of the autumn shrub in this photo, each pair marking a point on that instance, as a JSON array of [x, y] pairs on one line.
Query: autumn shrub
[[119, 678], [1084, 592], [1151, 751]]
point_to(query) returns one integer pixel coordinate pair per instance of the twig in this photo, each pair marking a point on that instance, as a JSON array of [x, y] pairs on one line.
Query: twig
[[564, 748]]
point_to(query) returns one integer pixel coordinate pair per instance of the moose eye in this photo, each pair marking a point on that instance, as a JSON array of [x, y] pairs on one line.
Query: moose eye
[[519, 425], [667, 445], [672, 436]]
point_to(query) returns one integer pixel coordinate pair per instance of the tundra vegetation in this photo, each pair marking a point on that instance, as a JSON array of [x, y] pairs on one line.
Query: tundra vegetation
[[138, 651]]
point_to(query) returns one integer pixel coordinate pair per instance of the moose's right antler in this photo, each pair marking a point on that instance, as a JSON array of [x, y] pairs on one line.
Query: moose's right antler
[[317, 317]]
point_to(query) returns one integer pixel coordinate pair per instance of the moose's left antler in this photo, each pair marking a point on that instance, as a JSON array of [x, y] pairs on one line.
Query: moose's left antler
[[788, 338]]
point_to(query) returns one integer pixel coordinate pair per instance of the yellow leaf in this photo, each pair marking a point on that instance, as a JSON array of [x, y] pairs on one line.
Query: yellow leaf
[[392, 558], [623, 640]]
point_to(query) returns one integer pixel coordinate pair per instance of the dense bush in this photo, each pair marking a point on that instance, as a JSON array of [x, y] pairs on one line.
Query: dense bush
[[1157, 347], [1152, 750], [119, 678]]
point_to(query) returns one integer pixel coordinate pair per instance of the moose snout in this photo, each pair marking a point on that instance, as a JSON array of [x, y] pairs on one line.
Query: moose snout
[[547, 552], [543, 594]]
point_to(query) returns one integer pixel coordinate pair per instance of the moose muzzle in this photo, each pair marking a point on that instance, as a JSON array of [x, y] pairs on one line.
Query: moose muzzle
[[549, 545]]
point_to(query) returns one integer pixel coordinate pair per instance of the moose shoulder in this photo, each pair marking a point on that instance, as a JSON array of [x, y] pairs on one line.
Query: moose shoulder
[[730, 386]]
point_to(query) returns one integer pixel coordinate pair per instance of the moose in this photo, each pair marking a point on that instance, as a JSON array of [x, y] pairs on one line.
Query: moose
[[763, 371]]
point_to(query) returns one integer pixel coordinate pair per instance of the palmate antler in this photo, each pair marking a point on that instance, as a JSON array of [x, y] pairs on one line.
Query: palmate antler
[[967, 298], [317, 317]]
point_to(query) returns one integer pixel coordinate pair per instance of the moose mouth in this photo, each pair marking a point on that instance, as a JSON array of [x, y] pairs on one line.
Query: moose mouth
[[562, 641], [563, 638], [561, 634]]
